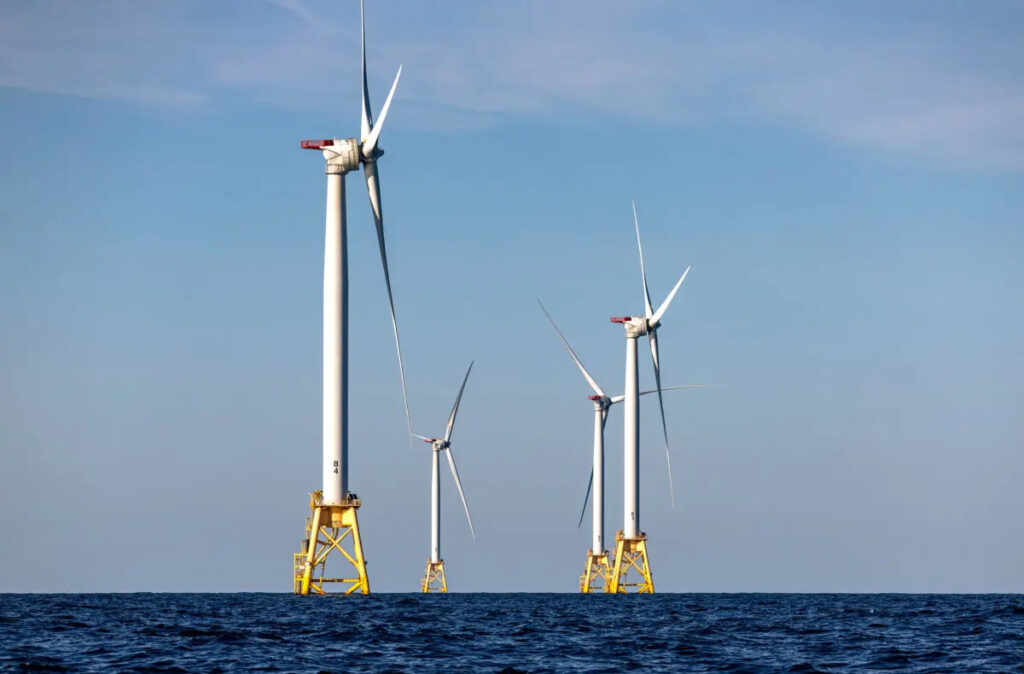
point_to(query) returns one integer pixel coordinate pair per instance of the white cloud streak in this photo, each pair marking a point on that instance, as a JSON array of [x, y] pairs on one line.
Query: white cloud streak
[[914, 85]]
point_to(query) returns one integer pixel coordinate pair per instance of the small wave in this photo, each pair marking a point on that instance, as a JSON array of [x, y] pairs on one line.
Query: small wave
[[48, 666], [805, 667]]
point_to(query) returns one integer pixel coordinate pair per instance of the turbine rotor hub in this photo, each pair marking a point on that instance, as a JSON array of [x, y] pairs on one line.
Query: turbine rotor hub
[[636, 326], [374, 154]]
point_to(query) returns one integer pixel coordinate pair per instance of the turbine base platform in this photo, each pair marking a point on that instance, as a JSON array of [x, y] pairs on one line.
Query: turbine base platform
[[631, 555], [327, 528], [433, 579], [596, 574]]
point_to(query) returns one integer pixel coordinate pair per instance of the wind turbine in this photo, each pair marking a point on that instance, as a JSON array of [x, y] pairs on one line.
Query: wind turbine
[[597, 566], [631, 542], [434, 578], [333, 510]]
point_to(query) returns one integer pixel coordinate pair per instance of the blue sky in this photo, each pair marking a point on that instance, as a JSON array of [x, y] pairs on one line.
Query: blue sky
[[845, 180]]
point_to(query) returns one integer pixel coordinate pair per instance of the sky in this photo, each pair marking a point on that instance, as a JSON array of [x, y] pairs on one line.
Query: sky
[[846, 180]]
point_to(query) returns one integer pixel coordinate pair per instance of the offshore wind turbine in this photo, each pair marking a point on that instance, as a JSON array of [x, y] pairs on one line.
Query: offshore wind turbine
[[631, 542], [597, 570], [333, 509], [434, 579]]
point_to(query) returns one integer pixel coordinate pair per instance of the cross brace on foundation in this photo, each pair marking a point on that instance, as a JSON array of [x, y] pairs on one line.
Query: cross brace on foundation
[[433, 579], [631, 555], [331, 528], [596, 573]]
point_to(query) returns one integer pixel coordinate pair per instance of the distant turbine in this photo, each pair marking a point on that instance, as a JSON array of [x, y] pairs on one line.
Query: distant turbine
[[631, 548], [434, 578]]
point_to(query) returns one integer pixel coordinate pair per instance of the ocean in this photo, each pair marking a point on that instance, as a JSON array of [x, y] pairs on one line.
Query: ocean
[[512, 632]]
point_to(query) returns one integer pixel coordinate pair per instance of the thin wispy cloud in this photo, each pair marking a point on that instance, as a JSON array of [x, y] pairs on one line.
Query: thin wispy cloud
[[917, 84]]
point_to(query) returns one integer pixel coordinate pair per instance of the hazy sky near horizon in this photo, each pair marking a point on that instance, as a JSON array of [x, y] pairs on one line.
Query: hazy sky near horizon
[[846, 180]]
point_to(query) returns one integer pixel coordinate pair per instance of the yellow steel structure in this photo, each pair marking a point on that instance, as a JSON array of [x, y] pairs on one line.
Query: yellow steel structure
[[596, 573], [433, 579], [631, 555], [327, 527]]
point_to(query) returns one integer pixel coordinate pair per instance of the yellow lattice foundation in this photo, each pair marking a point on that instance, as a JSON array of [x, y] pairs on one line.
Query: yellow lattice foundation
[[433, 579], [331, 528], [595, 574], [631, 556]]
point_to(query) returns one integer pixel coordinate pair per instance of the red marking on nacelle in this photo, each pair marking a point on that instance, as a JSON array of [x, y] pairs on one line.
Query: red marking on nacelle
[[316, 144], [621, 319], [430, 440], [594, 398]]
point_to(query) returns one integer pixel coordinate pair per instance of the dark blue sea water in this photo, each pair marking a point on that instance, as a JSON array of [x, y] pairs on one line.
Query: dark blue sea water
[[525, 632]]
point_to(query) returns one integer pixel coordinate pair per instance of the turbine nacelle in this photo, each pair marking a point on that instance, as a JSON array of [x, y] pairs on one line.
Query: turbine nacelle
[[341, 154], [601, 402], [636, 326]]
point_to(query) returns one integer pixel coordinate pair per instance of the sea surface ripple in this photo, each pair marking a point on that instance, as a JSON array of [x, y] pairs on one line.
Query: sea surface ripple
[[512, 632]]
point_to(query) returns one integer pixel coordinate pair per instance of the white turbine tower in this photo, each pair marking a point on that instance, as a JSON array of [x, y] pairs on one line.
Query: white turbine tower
[[333, 510], [434, 579], [631, 542], [597, 567]]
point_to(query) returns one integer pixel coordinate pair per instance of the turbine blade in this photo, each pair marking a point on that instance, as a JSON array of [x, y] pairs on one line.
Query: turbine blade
[[370, 143], [422, 437], [373, 187], [661, 404], [366, 123], [619, 399], [643, 274], [586, 498], [676, 388], [586, 375], [668, 300], [455, 407], [462, 494]]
